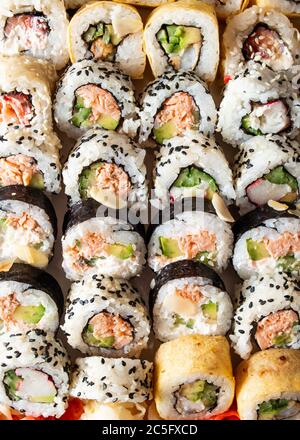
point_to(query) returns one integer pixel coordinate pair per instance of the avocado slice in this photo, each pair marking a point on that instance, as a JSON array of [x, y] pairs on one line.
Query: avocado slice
[[89, 35], [166, 131], [280, 175], [43, 399], [246, 125], [11, 382], [282, 340], [29, 314], [89, 338], [256, 250], [169, 247], [289, 263], [175, 38], [81, 116], [210, 310], [121, 251], [88, 177], [200, 390], [269, 409], [37, 181], [191, 177], [191, 36], [107, 122], [178, 320]]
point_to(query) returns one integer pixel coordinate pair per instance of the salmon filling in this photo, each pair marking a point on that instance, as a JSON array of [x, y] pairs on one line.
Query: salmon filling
[[286, 244], [30, 29], [20, 170], [278, 329], [190, 292], [107, 330], [264, 44], [178, 114], [93, 247], [196, 397], [16, 108], [95, 106]]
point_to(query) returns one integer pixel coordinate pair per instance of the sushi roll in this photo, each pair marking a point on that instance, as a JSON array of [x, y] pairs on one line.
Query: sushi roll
[[260, 35], [29, 299], [175, 103], [189, 298], [267, 168], [267, 239], [37, 28], [95, 94], [268, 386], [106, 317], [108, 31], [268, 315], [185, 36], [24, 161], [100, 243], [109, 168], [256, 102], [34, 376], [287, 7], [28, 227], [193, 378], [190, 235], [25, 95], [112, 389], [191, 166]]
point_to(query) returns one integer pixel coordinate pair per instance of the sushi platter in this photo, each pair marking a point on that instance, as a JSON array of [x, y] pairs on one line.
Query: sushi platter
[[149, 210]]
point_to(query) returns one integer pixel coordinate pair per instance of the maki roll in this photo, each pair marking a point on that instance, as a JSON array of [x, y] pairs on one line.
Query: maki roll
[[267, 239], [267, 168], [268, 314], [191, 235], [191, 166], [175, 103], [260, 35], [268, 386], [189, 298], [185, 36], [95, 243], [29, 298], [95, 94], [193, 378], [287, 7], [108, 32], [112, 389], [25, 95], [256, 102], [34, 374], [109, 168], [23, 161], [37, 28], [106, 317], [28, 227]]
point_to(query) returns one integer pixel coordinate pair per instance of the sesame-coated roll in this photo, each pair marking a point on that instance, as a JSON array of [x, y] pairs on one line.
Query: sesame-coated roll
[[34, 374], [268, 386], [268, 315], [112, 389], [106, 317], [193, 377]]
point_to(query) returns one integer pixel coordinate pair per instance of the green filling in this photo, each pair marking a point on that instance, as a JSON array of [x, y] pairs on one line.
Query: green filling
[[89, 338], [256, 250], [246, 124], [103, 31], [121, 251], [87, 179], [202, 391], [280, 176], [175, 38], [271, 408], [288, 263], [82, 114], [169, 247], [3, 223], [37, 181], [29, 314], [166, 131], [10, 382], [210, 310], [178, 320], [205, 257], [191, 177], [282, 340]]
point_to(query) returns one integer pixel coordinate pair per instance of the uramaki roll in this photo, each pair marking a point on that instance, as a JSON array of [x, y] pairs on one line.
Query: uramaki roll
[[193, 377], [268, 386], [287, 7], [185, 36]]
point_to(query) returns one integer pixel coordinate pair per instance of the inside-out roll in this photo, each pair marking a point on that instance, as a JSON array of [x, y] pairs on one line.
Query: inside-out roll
[[267, 239], [256, 102], [106, 317], [267, 168], [36, 28], [109, 168], [30, 298], [268, 386], [185, 36], [189, 298], [268, 314], [108, 31], [98, 242], [262, 35], [193, 377], [34, 377], [112, 389], [28, 227], [175, 103], [192, 235], [287, 7], [191, 166], [95, 94]]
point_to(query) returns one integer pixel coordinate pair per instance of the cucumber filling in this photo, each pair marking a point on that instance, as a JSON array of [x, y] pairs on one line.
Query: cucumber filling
[[277, 409], [192, 181], [102, 41], [266, 118], [196, 397]]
